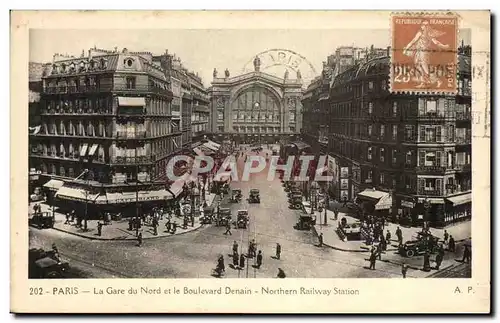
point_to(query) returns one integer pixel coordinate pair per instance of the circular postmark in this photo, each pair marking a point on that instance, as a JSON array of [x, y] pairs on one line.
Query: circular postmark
[[278, 61]]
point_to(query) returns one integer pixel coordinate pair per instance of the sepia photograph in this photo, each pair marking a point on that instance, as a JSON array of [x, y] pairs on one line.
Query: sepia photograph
[[243, 153]]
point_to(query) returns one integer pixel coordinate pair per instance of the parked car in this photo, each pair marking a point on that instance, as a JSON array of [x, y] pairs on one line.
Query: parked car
[[419, 245], [254, 196]]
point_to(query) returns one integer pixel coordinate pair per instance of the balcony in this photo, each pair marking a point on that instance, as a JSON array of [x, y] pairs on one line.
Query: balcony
[[132, 160], [463, 167], [131, 135], [72, 89], [140, 89], [463, 116], [430, 192], [431, 169], [462, 141]]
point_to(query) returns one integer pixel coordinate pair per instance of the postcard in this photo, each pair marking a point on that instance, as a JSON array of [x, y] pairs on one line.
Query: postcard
[[250, 162]]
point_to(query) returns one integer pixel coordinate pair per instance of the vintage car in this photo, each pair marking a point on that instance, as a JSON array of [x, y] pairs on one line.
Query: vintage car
[[254, 196], [207, 217], [236, 196], [305, 222], [294, 191], [224, 217], [349, 231], [419, 245], [46, 264], [42, 220], [295, 201], [242, 219]]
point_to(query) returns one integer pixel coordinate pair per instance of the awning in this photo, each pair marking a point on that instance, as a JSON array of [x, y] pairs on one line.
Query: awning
[[198, 152], [177, 187], [460, 199], [75, 194], [209, 147], [385, 203], [212, 145], [53, 184], [131, 102], [206, 150], [373, 194], [141, 196], [93, 149], [83, 151]]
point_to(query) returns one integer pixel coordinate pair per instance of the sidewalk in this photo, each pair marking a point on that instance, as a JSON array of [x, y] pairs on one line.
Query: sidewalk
[[460, 231], [118, 230]]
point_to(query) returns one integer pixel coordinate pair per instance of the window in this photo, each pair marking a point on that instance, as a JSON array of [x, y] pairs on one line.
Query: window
[[370, 128], [394, 131], [369, 153], [370, 108], [382, 178], [220, 116], [369, 175], [130, 82], [460, 158], [408, 157], [409, 130], [430, 134], [382, 130], [382, 154], [439, 137], [394, 156], [383, 85], [431, 107], [394, 109], [370, 85], [235, 116]]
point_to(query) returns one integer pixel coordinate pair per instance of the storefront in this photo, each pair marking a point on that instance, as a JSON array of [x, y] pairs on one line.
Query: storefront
[[405, 210], [429, 210], [374, 202], [51, 188], [458, 208]]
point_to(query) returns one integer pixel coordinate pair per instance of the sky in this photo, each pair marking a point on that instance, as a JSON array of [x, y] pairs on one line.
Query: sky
[[202, 50]]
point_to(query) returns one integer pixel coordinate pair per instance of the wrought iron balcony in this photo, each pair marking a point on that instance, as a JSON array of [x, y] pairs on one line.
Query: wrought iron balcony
[[431, 169], [430, 192], [132, 160]]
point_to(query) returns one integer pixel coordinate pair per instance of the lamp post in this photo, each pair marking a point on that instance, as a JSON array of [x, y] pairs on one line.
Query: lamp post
[[85, 224]]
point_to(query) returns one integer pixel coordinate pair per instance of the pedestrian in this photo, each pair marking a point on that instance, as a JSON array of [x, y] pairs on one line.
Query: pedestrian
[[67, 218], [427, 261], [192, 220], [439, 259], [278, 251], [345, 202], [320, 238], [388, 236], [242, 261], [399, 235], [139, 239], [446, 236], [228, 228], [373, 260], [451, 244], [235, 259], [404, 269], [155, 229], [235, 246], [281, 273], [383, 243], [336, 214], [259, 259], [72, 216], [466, 256], [99, 228]]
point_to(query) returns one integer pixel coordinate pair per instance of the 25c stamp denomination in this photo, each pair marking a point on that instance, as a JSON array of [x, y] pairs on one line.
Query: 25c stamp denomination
[[424, 53]]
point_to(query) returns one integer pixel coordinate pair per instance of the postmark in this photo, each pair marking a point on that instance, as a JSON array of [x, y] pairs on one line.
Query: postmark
[[424, 53]]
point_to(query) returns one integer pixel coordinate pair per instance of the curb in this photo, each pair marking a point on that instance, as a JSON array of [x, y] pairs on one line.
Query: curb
[[124, 239]]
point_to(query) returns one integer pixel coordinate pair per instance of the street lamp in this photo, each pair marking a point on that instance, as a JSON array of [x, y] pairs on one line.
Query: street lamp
[[85, 225]]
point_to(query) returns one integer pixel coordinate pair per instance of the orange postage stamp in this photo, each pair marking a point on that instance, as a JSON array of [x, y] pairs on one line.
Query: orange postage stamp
[[424, 53]]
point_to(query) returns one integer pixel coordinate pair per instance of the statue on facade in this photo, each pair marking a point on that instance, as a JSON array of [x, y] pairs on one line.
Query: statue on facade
[[226, 72], [256, 63], [215, 73], [286, 74]]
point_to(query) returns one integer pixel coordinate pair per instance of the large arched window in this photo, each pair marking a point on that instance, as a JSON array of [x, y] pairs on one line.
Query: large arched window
[[259, 102]]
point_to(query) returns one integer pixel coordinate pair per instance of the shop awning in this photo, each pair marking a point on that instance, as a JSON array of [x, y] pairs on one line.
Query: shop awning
[[460, 199], [373, 194], [83, 150], [75, 194], [177, 187], [131, 102], [212, 145], [53, 184], [206, 150], [93, 149], [385, 203], [141, 196]]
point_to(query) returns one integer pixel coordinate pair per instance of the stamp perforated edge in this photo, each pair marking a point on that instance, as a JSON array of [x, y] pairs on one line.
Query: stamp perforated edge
[[415, 14]]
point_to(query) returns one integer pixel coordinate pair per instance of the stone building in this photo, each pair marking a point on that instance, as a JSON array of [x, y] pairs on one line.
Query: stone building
[[255, 106], [405, 156]]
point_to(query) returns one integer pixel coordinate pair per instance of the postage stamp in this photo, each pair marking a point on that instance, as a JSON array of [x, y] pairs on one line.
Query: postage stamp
[[424, 53]]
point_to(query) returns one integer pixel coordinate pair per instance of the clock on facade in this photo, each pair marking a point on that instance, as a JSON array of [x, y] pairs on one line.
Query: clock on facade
[[256, 105]]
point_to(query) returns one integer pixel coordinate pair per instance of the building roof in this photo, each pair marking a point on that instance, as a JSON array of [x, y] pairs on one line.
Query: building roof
[[36, 71]]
